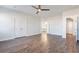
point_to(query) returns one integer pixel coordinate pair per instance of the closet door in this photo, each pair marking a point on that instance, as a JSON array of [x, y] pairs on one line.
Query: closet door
[[20, 25], [6, 26]]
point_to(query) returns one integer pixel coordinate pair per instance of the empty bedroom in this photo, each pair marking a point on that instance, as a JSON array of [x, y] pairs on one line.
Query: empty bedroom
[[39, 28]]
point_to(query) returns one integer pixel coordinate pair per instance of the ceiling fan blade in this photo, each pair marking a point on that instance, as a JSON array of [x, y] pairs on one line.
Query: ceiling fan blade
[[39, 6], [45, 9], [34, 7], [37, 12]]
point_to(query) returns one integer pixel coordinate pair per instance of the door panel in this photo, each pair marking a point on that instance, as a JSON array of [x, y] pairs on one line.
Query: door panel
[[20, 26], [6, 26]]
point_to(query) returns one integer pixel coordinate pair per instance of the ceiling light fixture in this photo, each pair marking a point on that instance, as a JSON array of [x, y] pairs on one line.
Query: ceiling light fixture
[[39, 10]]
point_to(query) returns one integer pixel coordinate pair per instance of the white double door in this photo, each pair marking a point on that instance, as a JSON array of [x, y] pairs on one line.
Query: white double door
[[14, 25], [20, 26]]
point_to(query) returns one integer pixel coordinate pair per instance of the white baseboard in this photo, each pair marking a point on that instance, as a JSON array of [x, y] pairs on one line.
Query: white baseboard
[[11, 38]]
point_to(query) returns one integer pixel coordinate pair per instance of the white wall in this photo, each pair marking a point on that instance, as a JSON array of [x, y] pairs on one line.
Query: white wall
[[77, 28], [55, 25], [33, 24], [16, 24]]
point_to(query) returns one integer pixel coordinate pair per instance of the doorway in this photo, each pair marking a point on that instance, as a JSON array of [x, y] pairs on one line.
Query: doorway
[[70, 37], [69, 26]]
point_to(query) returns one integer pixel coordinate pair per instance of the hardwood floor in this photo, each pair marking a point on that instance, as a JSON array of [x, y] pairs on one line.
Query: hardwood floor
[[38, 44], [71, 43]]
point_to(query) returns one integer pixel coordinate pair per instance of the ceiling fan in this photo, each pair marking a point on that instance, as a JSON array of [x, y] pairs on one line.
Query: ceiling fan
[[40, 9]]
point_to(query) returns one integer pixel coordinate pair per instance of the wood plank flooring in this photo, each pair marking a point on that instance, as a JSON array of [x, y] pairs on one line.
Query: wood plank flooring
[[44, 43], [71, 43]]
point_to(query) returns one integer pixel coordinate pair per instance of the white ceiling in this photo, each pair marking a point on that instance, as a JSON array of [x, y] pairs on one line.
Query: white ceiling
[[54, 9]]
